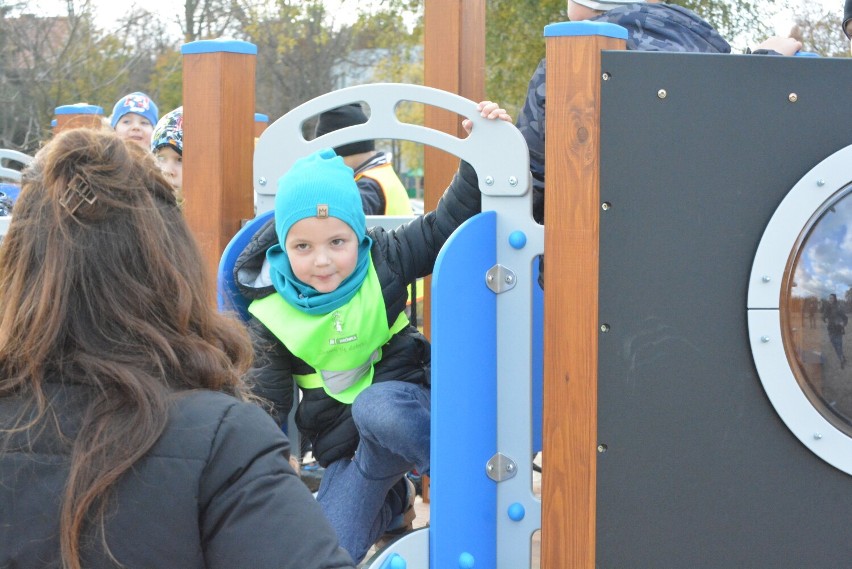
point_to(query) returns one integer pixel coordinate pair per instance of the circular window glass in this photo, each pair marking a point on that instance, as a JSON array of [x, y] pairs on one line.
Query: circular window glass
[[815, 307]]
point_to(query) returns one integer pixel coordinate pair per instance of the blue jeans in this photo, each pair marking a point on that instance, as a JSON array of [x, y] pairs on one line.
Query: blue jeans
[[392, 419]]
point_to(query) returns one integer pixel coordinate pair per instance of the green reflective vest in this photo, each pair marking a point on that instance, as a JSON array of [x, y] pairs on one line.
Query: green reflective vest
[[342, 346]]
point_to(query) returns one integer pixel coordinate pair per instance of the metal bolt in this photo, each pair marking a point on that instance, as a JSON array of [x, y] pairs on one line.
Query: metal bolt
[[820, 183], [261, 181], [606, 76], [766, 278], [602, 448], [661, 94], [764, 339], [817, 436], [510, 467], [489, 277], [793, 97], [489, 181], [490, 468], [513, 181], [509, 279], [604, 327], [605, 206]]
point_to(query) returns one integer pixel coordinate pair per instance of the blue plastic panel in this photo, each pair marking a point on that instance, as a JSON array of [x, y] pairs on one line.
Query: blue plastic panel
[[218, 46], [606, 29], [464, 398]]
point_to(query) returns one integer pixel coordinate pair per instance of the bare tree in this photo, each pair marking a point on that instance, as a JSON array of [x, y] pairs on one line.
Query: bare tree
[[819, 30]]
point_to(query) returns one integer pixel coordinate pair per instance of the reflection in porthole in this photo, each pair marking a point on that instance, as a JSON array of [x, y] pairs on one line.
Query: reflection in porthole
[[816, 302]]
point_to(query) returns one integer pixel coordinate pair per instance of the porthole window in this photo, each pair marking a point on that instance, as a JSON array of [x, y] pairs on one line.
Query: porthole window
[[799, 306], [816, 302]]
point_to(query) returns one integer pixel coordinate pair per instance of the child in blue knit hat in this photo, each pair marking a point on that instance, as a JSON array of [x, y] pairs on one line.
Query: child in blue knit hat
[[133, 118], [328, 305], [167, 146]]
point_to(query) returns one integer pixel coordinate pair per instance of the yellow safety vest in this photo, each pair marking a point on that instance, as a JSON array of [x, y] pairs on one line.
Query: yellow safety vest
[[396, 198], [342, 346]]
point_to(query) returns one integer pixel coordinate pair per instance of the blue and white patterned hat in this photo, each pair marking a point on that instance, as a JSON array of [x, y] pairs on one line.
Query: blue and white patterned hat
[[169, 132], [138, 103]]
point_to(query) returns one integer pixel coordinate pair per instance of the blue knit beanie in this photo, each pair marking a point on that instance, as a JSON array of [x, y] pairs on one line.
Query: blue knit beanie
[[319, 185], [138, 103]]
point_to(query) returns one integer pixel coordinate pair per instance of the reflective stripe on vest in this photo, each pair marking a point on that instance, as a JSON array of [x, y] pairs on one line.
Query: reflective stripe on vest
[[396, 198], [342, 346]]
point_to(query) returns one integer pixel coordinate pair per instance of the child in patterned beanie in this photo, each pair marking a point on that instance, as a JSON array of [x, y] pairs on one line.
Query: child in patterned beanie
[[133, 118], [167, 146]]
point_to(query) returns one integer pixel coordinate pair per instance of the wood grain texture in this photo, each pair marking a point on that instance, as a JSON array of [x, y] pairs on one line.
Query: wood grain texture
[[219, 100], [571, 300], [454, 61]]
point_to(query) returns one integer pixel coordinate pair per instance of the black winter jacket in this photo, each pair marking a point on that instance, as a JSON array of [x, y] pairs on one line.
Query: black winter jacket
[[399, 257], [216, 491]]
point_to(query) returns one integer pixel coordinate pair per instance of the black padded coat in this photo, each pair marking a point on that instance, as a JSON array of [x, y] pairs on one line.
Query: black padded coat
[[216, 491], [399, 256]]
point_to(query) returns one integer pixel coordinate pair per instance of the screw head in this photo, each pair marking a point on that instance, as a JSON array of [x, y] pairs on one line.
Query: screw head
[[766, 278], [820, 183], [792, 97], [662, 94], [489, 181], [817, 436], [764, 339], [261, 181], [606, 76], [605, 206], [604, 327], [513, 181]]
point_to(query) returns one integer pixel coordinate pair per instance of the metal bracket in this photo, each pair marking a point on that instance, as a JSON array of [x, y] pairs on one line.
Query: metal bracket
[[500, 468], [500, 279]]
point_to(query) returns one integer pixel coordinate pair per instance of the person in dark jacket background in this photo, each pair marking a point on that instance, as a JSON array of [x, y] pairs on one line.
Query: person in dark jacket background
[[651, 26], [328, 299], [127, 436], [382, 192], [847, 19]]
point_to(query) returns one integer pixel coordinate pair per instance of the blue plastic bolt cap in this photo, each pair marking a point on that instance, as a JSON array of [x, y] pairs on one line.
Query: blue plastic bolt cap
[[517, 239], [516, 512], [466, 561]]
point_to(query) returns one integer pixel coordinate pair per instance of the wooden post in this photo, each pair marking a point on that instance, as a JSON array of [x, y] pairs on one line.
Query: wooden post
[[218, 109], [79, 115], [571, 327], [454, 60], [261, 121]]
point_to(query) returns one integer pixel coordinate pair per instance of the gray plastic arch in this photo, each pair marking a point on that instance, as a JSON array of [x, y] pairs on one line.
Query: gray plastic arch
[[497, 153], [15, 156]]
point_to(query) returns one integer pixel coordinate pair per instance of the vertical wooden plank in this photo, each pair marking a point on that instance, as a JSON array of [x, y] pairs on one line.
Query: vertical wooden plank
[[571, 246], [218, 95], [454, 60], [76, 116]]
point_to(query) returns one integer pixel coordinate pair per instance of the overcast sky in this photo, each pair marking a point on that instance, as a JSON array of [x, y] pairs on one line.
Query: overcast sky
[[343, 10]]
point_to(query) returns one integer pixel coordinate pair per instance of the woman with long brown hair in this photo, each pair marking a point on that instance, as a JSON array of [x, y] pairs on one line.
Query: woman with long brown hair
[[127, 438]]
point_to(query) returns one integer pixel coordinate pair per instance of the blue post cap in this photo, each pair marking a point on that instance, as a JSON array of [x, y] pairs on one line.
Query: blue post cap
[[218, 46], [584, 28], [79, 109], [260, 117]]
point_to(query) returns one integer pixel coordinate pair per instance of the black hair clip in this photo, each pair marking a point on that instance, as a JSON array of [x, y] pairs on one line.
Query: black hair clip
[[78, 191]]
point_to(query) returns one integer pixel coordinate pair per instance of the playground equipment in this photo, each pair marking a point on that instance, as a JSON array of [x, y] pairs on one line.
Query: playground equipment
[[665, 443], [502, 290], [11, 164], [674, 454]]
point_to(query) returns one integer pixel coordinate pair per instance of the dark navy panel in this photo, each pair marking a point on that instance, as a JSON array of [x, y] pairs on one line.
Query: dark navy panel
[[697, 152]]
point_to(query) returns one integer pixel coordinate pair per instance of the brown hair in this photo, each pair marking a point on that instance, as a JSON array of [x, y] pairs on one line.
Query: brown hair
[[101, 283]]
